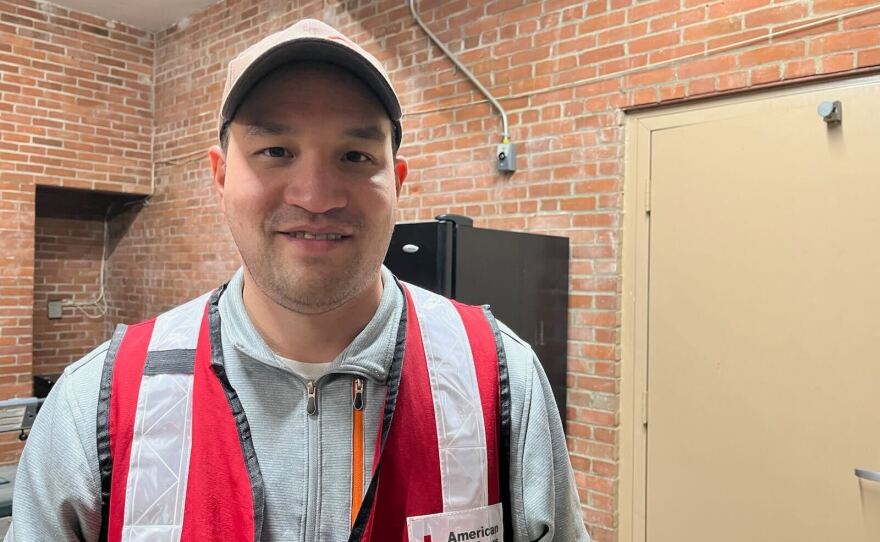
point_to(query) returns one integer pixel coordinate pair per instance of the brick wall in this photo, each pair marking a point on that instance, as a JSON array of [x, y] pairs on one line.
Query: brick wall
[[565, 70], [75, 111]]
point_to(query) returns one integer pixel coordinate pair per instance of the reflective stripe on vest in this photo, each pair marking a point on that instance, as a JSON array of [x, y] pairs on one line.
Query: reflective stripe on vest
[[440, 469], [177, 462], [158, 469], [461, 436]]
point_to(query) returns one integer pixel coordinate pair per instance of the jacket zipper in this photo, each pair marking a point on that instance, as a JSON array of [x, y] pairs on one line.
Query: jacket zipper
[[357, 446], [357, 405], [312, 405], [313, 462]]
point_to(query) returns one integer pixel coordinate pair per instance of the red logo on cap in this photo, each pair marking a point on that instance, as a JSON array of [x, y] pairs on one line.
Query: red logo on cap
[[340, 38]]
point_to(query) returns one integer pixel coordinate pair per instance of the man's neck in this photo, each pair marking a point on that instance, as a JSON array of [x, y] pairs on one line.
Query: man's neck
[[318, 337]]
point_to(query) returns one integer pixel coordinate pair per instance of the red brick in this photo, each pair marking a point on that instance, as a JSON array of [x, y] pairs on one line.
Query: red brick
[[735, 80], [744, 39], [713, 28], [622, 33], [673, 92], [837, 63], [651, 77], [682, 51], [821, 6], [578, 204], [601, 54], [730, 7], [870, 57], [845, 41], [711, 65], [870, 18], [773, 53], [767, 74], [697, 87], [654, 42], [678, 20], [651, 9], [799, 68], [777, 14]]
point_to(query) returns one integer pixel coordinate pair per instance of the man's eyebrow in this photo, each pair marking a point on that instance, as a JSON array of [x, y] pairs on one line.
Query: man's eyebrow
[[371, 132], [266, 128]]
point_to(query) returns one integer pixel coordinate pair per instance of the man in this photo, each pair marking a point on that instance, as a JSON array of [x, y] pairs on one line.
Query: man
[[313, 397]]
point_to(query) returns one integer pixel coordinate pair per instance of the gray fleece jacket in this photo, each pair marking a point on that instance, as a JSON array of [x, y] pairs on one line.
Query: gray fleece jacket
[[305, 460]]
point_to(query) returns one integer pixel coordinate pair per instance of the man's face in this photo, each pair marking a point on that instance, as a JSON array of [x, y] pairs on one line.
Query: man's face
[[309, 186]]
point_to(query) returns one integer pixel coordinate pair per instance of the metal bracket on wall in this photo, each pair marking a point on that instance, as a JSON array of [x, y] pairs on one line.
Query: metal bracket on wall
[[831, 112]]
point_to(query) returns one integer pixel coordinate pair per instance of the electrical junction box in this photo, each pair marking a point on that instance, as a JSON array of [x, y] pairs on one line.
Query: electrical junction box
[[506, 157], [54, 309]]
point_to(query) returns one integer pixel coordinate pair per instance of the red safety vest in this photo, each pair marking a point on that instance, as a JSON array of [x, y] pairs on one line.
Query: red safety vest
[[177, 461]]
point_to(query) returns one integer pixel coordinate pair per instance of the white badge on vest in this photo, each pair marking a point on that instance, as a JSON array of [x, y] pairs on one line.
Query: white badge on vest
[[484, 524]]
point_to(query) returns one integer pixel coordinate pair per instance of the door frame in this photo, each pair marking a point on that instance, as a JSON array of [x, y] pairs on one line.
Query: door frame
[[639, 126]]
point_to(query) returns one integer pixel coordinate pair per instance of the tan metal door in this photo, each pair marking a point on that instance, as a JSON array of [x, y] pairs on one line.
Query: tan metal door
[[763, 341]]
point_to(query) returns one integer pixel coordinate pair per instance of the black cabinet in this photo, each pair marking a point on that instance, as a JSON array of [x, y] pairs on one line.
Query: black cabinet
[[522, 276]]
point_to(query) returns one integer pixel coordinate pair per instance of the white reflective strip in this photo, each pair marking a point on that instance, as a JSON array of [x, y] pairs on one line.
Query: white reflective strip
[[155, 491], [458, 411], [179, 327], [159, 533]]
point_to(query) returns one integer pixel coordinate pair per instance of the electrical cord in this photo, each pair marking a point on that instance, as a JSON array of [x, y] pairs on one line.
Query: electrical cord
[[99, 304]]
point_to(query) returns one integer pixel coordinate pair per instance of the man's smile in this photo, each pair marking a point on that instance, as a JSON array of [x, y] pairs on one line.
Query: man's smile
[[315, 242]]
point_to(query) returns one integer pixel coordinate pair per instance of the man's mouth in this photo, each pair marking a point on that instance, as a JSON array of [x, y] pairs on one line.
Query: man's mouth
[[315, 236]]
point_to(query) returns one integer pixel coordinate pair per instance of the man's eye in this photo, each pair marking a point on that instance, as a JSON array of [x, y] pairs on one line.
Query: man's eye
[[275, 152], [355, 156]]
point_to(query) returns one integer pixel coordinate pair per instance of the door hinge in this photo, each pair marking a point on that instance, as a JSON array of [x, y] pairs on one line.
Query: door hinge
[[648, 196], [645, 408]]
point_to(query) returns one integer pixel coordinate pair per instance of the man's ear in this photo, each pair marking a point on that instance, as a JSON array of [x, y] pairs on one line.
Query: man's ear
[[400, 171], [218, 170]]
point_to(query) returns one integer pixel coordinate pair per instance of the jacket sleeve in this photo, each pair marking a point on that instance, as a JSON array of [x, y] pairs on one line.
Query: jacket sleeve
[[57, 486], [543, 495]]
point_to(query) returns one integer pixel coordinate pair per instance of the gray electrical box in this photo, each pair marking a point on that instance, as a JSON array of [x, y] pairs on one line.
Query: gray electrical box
[[506, 157], [54, 309]]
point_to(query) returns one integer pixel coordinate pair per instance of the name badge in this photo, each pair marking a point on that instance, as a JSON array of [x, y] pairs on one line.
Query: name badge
[[484, 524]]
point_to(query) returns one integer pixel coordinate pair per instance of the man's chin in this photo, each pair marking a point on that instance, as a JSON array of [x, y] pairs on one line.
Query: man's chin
[[316, 292]]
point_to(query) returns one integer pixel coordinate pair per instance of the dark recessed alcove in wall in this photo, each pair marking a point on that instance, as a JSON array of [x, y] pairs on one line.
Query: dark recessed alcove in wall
[[57, 202], [75, 234]]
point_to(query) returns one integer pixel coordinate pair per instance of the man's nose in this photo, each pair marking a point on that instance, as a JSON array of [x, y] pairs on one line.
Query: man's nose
[[315, 187]]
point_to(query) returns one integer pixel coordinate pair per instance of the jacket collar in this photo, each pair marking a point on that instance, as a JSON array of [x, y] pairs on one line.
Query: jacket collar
[[369, 354]]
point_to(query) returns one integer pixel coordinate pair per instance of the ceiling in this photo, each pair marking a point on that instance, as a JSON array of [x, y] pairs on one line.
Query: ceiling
[[151, 15]]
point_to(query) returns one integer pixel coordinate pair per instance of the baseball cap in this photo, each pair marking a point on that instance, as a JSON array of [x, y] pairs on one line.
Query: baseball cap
[[308, 39]]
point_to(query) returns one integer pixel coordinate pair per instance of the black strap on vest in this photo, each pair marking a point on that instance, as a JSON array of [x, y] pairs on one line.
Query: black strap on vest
[[504, 451], [105, 462], [244, 429]]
